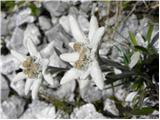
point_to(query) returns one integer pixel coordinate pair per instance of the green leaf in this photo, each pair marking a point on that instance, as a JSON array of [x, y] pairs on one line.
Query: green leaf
[[20, 3], [140, 48], [7, 6], [35, 10], [149, 32], [142, 111], [133, 39]]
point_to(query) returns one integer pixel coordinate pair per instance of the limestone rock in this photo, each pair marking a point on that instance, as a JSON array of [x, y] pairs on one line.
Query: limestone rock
[[110, 106], [13, 107], [16, 41], [87, 93], [56, 8], [86, 111], [44, 23], [38, 110], [8, 64], [4, 88], [24, 16]]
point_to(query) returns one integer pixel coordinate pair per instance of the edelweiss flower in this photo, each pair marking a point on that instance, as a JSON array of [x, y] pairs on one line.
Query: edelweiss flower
[[34, 67], [84, 57]]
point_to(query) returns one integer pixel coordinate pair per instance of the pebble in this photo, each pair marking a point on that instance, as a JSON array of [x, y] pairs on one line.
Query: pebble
[[13, 107], [4, 88], [24, 16], [110, 106], [56, 8], [16, 41], [8, 64], [86, 111], [44, 23]]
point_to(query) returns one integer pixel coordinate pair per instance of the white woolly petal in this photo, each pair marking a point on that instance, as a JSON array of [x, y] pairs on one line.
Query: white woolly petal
[[130, 96], [134, 59], [19, 76], [85, 74], [97, 75], [83, 83], [44, 63], [48, 50], [70, 57], [35, 88], [48, 78], [28, 85], [72, 74], [97, 37], [92, 27], [71, 44], [19, 56], [32, 49], [75, 29]]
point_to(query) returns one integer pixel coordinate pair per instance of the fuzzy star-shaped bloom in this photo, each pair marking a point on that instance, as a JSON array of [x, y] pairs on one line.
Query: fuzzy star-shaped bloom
[[84, 58], [34, 67]]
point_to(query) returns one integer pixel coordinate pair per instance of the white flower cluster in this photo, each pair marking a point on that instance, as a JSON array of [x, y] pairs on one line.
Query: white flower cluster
[[83, 59]]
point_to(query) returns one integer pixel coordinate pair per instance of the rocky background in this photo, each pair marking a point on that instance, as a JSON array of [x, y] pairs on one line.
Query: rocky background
[[48, 20]]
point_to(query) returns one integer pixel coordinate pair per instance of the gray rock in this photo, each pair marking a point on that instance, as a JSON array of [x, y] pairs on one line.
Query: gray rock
[[122, 32], [38, 110], [54, 20], [56, 8], [75, 2], [148, 102], [4, 26], [18, 87], [86, 6], [24, 16], [13, 107], [2, 114], [4, 88], [44, 23], [86, 111], [143, 26], [55, 61], [64, 22], [73, 11], [132, 23], [121, 93], [12, 22], [64, 92], [108, 92], [8, 64], [87, 93], [55, 83], [154, 115], [110, 106], [32, 32], [61, 115], [16, 41], [102, 8], [60, 38], [84, 23]]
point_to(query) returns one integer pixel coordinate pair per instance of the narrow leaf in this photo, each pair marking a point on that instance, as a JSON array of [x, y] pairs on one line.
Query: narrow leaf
[[140, 48], [142, 111], [133, 39], [149, 32]]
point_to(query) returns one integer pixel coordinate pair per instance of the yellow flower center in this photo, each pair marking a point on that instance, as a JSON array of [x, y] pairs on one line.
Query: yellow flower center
[[30, 68], [82, 55]]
